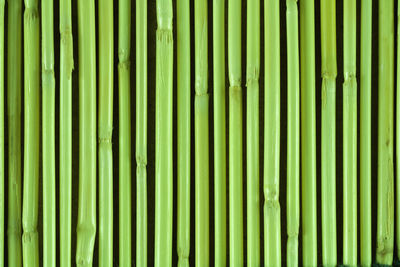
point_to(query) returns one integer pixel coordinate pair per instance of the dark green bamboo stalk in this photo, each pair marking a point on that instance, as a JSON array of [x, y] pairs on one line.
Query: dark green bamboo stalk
[[2, 198]]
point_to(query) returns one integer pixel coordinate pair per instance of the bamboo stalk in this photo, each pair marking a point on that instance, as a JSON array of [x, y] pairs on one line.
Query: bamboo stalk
[[30, 238], [184, 89], [14, 75], [164, 114], [66, 67], [328, 134], [293, 135], [253, 131], [141, 132], [2, 196], [365, 134], [219, 132], [385, 228], [86, 228], [105, 125], [308, 136], [235, 133], [48, 136], [201, 135], [398, 135]]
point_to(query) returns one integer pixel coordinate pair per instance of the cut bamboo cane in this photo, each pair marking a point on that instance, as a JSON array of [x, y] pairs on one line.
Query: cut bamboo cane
[[365, 134], [14, 87], [86, 228], [235, 133], [2, 196], [184, 89], [30, 238], [105, 125], [164, 112], [141, 132], [385, 228], [308, 137], [253, 131], [293, 135], [328, 134], [66, 67], [48, 136]]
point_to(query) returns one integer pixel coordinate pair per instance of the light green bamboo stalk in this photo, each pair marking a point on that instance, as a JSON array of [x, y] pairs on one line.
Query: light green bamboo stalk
[[219, 132], [2, 198], [30, 238], [141, 132], [365, 134], [235, 133], [164, 109], [201, 135], [105, 125], [124, 70], [86, 228], [293, 135], [349, 134], [14, 85], [253, 131], [385, 235], [184, 89], [328, 135], [66, 67], [272, 210], [48, 136]]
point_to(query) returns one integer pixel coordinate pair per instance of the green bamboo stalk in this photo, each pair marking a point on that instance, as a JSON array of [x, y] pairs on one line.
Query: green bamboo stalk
[[183, 73], [30, 238], [164, 112], [219, 132], [2, 198], [105, 125], [349, 134], [14, 86], [308, 137], [66, 67], [141, 132], [385, 230], [235, 133], [201, 104], [253, 131], [328, 134], [365, 134], [86, 228], [293, 135], [398, 135], [124, 70], [48, 136]]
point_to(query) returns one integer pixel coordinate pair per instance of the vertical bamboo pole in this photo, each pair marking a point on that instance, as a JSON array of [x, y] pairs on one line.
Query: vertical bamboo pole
[[385, 230], [398, 135], [86, 228], [14, 85], [2, 197], [164, 111], [30, 238]]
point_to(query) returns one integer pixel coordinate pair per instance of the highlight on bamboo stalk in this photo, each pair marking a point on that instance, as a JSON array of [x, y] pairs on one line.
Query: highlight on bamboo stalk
[[385, 220], [86, 228], [30, 238], [2, 84], [14, 100], [164, 115]]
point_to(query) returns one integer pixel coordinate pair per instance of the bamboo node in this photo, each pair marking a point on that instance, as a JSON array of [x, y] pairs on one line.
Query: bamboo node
[[253, 76], [164, 36], [124, 65], [31, 15]]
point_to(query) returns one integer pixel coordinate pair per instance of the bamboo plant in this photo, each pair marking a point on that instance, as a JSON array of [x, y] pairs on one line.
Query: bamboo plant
[[293, 135], [328, 135], [235, 133], [30, 238], [365, 134], [184, 89], [398, 135], [164, 115], [125, 210], [86, 228], [141, 132], [253, 131], [219, 132], [66, 67], [385, 221], [105, 125], [2, 198], [14, 85]]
